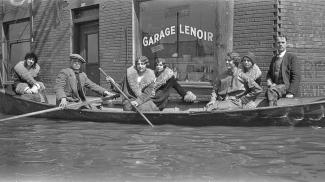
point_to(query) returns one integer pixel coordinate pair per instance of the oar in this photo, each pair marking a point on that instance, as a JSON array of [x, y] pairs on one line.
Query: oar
[[118, 88], [56, 108]]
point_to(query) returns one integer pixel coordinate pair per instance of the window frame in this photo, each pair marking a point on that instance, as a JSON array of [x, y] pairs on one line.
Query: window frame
[[8, 44]]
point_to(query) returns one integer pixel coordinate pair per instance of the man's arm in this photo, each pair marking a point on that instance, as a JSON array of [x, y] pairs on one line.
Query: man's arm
[[93, 86], [295, 74], [269, 74], [60, 83]]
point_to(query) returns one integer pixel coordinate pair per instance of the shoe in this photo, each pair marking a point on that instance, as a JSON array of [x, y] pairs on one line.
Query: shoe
[[189, 97]]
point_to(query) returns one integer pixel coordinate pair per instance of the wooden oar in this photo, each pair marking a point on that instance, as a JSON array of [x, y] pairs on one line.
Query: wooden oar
[[56, 108], [118, 88]]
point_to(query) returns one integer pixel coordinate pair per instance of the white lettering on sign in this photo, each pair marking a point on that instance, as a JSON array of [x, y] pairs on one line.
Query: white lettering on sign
[[183, 29], [19, 2]]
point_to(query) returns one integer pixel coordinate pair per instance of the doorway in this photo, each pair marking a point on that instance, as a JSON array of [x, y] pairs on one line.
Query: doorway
[[88, 45]]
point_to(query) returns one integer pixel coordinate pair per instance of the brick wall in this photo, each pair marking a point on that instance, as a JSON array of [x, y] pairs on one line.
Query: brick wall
[[254, 22], [53, 35], [115, 31], [303, 22], [52, 27]]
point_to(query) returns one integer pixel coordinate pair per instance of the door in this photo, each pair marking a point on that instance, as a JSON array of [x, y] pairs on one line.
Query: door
[[89, 51]]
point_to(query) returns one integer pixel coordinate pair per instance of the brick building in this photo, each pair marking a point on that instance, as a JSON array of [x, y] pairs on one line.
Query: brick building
[[192, 36]]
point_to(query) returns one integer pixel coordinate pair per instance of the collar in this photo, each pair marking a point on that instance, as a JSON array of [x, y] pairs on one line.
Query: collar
[[137, 87], [163, 77], [282, 54]]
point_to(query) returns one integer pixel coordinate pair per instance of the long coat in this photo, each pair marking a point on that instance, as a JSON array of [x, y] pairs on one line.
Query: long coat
[[290, 72], [66, 86], [238, 85], [24, 77], [164, 83], [141, 91]]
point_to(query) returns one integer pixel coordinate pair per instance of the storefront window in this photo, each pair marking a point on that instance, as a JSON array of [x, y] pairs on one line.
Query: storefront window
[[183, 33]]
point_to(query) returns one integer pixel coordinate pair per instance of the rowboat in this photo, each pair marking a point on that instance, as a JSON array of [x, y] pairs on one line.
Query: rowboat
[[289, 112]]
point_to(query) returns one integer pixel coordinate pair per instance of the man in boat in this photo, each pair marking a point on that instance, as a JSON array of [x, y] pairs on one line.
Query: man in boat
[[233, 89], [250, 68], [283, 76], [138, 86], [25, 75], [165, 82], [71, 82]]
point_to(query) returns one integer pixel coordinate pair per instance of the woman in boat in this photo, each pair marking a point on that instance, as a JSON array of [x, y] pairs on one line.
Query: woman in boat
[[233, 89], [250, 68], [71, 82], [165, 82], [138, 86], [25, 74]]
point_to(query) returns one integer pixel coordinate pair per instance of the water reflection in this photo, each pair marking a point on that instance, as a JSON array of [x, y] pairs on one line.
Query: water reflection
[[52, 150]]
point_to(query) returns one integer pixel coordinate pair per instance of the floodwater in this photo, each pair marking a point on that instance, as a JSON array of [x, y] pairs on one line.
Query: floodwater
[[58, 150]]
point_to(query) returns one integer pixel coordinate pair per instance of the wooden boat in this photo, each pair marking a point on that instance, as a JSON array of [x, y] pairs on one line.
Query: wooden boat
[[290, 112]]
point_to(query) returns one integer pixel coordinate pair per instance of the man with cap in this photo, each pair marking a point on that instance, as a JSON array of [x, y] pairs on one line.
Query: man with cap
[[233, 89], [70, 83], [250, 68], [283, 76]]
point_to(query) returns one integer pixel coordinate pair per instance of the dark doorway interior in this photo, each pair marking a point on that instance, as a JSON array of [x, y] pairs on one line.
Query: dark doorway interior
[[86, 44]]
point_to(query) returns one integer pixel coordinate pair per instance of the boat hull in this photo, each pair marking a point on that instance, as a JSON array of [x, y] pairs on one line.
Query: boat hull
[[303, 114]]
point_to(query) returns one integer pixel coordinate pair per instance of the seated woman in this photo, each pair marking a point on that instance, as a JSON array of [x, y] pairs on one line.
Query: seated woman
[[138, 86], [25, 73], [250, 68], [165, 81], [233, 89]]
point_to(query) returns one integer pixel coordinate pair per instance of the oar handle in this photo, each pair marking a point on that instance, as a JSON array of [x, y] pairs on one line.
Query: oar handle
[[56, 108], [118, 88]]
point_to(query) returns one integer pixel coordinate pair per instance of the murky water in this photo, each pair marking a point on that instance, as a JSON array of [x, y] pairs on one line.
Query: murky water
[[49, 150]]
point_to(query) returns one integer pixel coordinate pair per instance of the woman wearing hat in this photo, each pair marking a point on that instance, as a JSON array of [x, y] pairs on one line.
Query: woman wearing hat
[[25, 73], [165, 81], [250, 68], [233, 89], [70, 83]]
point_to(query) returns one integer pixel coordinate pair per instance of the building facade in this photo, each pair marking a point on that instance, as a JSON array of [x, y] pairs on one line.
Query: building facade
[[192, 36]]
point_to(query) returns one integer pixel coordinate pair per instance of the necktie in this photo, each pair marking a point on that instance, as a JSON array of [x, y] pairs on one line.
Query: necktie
[[78, 81]]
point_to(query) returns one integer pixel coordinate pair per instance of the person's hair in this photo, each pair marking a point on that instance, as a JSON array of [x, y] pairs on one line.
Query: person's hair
[[162, 61], [235, 57], [143, 59], [31, 55], [250, 56], [285, 37]]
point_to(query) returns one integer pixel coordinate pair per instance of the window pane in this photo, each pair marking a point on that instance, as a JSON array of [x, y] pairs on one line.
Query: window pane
[[18, 44], [18, 31], [182, 32], [17, 53], [92, 48]]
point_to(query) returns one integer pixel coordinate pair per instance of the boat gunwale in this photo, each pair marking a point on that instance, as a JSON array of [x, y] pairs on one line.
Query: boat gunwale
[[106, 110]]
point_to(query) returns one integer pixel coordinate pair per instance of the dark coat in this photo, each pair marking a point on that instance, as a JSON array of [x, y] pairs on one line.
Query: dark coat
[[163, 86], [66, 86], [290, 72]]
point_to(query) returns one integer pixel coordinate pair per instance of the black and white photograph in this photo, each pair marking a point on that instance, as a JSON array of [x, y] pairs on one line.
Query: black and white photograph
[[162, 90]]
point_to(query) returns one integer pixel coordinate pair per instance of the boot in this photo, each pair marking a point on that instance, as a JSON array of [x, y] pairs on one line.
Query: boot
[[189, 97]]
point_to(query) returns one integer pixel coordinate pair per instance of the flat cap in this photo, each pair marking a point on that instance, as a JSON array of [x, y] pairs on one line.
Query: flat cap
[[77, 56]]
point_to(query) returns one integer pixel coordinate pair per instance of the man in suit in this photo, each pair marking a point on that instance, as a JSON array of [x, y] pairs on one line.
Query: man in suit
[[283, 77], [70, 83]]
